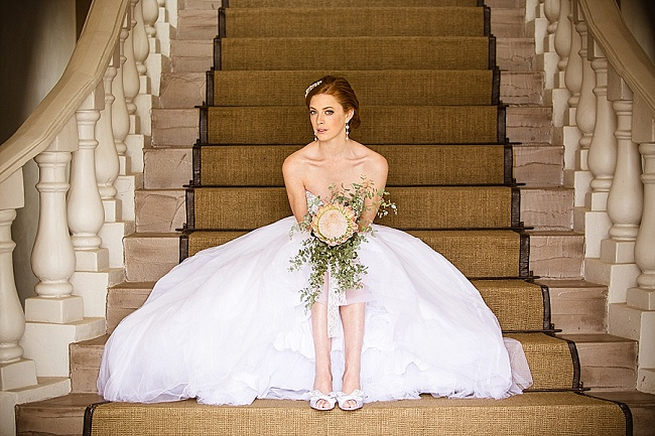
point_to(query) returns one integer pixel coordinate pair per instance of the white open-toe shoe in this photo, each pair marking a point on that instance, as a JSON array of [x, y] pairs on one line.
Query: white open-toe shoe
[[357, 396], [315, 396]]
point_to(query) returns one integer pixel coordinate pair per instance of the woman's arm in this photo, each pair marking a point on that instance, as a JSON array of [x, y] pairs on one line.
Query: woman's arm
[[377, 172], [292, 172]]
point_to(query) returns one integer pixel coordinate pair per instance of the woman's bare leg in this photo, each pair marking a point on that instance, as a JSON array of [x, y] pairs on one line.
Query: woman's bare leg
[[352, 317], [322, 345]]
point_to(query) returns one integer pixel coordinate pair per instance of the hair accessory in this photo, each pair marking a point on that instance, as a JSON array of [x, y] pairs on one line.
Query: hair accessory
[[312, 86]]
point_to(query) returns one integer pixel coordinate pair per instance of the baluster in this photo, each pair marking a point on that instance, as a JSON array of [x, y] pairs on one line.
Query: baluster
[[85, 212], [15, 372], [549, 59], [585, 118], [638, 315], [150, 14], [120, 118], [141, 47], [106, 156], [624, 203], [644, 133], [559, 95], [53, 256], [130, 73], [573, 81], [616, 188], [602, 150]]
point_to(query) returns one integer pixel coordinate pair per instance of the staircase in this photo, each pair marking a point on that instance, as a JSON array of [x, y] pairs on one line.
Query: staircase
[[577, 308]]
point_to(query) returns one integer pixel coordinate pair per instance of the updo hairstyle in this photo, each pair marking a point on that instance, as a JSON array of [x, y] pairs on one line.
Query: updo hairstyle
[[339, 88]]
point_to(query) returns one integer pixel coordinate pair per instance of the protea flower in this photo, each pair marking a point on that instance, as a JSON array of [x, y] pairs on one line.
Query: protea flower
[[334, 224]]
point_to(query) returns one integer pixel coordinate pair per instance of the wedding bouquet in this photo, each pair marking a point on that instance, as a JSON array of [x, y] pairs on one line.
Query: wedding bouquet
[[335, 236]]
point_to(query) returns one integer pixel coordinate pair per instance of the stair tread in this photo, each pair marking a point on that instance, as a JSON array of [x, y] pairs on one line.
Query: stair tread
[[587, 338]]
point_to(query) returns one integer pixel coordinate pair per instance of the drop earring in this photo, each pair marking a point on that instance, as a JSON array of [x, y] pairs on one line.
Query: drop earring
[[347, 129]]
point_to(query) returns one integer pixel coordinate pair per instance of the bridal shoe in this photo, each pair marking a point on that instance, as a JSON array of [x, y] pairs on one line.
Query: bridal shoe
[[357, 396], [315, 396]]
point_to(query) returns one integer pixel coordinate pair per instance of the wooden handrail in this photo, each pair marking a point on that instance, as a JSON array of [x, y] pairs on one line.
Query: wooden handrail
[[82, 75], [623, 52]]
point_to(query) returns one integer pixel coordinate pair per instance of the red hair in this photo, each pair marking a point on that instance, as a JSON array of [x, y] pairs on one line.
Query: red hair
[[339, 88]]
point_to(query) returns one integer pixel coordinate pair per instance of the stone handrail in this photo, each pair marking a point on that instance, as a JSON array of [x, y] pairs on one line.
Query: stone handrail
[[621, 48], [82, 75]]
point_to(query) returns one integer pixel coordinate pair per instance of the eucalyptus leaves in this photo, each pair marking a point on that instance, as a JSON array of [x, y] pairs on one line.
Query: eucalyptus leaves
[[335, 236]]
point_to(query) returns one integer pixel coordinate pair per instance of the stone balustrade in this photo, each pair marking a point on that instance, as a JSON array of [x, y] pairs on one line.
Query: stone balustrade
[[86, 206], [607, 130]]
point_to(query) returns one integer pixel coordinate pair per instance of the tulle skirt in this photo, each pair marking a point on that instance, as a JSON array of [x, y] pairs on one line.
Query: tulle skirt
[[227, 326]]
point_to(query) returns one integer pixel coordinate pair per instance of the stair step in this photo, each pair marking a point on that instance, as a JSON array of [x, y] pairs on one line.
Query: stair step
[[125, 298], [179, 127], [339, 52], [508, 22], [164, 210], [642, 408], [577, 306], [171, 127], [529, 124], [191, 55], [539, 165], [200, 22], [85, 357], [547, 208], [232, 165], [401, 87], [148, 256], [521, 87], [196, 55], [552, 254], [352, 21], [171, 167], [515, 54], [187, 89], [496, 3], [348, 3], [181, 90], [533, 413], [553, 373], [198, 4], [555, 254], [607, 362], [197, 24], [56, 416], [65, 415]]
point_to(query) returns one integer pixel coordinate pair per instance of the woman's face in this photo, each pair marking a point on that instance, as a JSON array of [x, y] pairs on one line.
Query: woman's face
[[328, 117]]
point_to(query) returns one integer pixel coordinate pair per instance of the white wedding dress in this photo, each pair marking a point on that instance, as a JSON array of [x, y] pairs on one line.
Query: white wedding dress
[[227, 326]]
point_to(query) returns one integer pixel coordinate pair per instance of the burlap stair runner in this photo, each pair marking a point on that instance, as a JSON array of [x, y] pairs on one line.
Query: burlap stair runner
[[425, 72], [380, 87], [498, 253], [519, 305], [424, 207], [563, 413], [229, 165], [385, 125], [390, 21]]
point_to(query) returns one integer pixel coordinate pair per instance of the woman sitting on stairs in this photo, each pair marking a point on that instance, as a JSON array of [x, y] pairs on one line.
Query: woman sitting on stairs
[[227, 325]]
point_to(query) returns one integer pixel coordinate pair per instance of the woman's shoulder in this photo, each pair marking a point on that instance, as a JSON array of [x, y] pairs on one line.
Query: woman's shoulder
[[297, 157], [372, 158]]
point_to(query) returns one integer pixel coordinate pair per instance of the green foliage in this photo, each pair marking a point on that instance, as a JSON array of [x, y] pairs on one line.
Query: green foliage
[[341, 260]]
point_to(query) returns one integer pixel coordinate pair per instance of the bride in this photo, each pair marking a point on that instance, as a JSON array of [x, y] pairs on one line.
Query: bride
[[228, 325]]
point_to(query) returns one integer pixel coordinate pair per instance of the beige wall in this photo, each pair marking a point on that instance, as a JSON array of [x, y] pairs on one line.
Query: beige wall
[[37, 38], [639, 15]]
